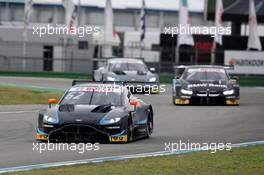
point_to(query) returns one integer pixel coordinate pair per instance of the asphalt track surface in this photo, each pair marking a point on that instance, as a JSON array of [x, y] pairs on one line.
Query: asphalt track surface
[[193, 124]]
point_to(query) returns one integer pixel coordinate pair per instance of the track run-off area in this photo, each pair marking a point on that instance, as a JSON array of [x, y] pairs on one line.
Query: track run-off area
[[172, 124]]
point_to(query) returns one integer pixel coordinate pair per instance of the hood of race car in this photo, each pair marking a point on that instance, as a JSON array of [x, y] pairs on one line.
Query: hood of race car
[[133, 76], [84, 114], [205, 86]]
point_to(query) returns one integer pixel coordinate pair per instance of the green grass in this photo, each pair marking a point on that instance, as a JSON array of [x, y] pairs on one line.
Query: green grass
[[15, 95], [252, 80], [238, 161], [46, 74], [164, 78]]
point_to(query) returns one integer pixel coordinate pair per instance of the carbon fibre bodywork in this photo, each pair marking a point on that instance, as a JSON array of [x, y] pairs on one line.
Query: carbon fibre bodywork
[[129, 70], [200, 92], [96, 123]]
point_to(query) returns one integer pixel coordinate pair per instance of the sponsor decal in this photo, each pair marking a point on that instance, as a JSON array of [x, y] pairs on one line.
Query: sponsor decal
[[218, 70], [246, 62], [218, 85], [122, 138], [197, 85], [95, 89], [182, 102], [232, 102], [41, 137], [207, 85]]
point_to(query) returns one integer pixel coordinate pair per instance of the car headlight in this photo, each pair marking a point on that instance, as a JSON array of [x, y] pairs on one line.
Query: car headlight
[[153, 79], [50, 119], [110, 121], [229, 92], [186, 92], [110, 79]]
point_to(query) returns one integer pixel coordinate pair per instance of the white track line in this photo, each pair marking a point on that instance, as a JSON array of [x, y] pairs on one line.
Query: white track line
[[260, 88], [18, 112]]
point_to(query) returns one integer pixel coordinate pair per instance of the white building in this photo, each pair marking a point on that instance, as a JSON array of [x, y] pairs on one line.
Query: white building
[[91, 12]]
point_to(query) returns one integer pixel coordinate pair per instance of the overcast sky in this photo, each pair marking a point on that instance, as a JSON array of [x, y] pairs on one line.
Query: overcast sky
[[194, 5]]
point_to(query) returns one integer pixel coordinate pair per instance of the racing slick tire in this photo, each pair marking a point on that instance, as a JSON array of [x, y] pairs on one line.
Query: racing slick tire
[[149, 128], [173, 100], [129, 132]]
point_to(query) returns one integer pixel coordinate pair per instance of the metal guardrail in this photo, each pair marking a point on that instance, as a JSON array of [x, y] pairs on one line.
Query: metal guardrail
[[81, 61]]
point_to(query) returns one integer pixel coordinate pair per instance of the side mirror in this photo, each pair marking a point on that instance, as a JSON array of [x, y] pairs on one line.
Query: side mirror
[[133, 103], [52, 101], [101, 68], [152, 69], [235, 78]]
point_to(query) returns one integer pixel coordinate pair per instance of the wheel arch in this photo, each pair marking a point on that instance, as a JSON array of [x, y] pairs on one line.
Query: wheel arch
[[151, 113]]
